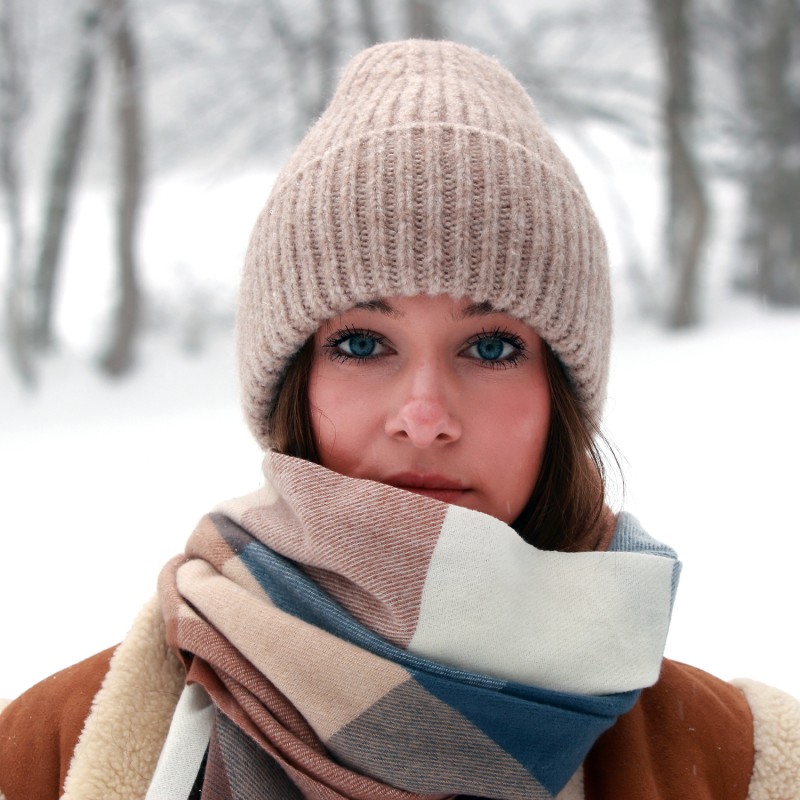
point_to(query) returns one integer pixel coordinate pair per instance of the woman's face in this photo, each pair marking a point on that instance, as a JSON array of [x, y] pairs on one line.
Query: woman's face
[[437, 396]]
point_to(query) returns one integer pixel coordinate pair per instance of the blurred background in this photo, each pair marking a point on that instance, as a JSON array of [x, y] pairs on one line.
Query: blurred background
[[138, 141]]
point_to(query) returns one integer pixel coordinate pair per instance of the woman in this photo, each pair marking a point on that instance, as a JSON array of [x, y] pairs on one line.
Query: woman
[[429, 597]]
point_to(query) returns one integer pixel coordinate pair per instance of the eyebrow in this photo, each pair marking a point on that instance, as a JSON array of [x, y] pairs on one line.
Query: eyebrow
[[381, 306], [472, 310], [479, 310]]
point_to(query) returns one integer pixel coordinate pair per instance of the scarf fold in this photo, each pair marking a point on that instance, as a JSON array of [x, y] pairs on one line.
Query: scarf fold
[[359, 641]]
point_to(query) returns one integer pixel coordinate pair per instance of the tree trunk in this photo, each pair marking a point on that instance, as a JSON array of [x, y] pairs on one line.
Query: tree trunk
[[423, 20], [779, 254], [66, 156], [369, 22], [12, 110], [311, 52], [687, 208], [326, 53], [119, 356], [747, 16], [294, 50], [768, 50]]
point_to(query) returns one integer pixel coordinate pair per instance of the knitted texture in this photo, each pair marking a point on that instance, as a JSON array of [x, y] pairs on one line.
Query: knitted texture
[[430, 172]]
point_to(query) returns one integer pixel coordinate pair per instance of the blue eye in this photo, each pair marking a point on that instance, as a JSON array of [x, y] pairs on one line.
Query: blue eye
[[496, 348], [359, 345], [492, 349], [355, 345]]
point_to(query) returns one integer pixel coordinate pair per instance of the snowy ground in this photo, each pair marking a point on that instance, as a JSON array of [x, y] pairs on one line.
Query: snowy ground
[[103, 482]]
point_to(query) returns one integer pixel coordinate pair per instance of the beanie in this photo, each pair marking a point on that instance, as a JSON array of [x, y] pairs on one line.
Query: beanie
[[430, 172]]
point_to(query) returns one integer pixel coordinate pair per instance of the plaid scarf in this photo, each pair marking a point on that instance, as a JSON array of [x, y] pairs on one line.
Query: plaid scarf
[[359, 641]]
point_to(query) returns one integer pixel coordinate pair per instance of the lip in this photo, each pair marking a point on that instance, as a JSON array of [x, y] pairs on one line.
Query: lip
[[438, 487]]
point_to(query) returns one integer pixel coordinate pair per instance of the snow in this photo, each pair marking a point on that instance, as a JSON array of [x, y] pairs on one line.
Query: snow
[[103, 482]]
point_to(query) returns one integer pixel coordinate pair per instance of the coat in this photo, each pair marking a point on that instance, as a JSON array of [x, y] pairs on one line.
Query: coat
[[95, 731]]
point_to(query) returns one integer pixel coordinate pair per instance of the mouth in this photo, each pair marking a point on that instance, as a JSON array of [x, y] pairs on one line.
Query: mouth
[[437, 487]]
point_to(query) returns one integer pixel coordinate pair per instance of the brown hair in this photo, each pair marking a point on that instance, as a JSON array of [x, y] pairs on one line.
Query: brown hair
[[565, 508]]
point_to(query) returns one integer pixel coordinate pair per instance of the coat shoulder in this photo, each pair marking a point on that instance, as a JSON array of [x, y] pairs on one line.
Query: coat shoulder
[[39, 730], [94, 731], [690, 735]]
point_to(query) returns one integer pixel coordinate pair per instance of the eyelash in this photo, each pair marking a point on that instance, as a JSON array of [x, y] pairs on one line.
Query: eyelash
[[504, 336], [332, 343], [332, 346]]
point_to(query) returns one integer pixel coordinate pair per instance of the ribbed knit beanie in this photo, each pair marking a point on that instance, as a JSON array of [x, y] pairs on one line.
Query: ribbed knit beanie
[[430, 172]]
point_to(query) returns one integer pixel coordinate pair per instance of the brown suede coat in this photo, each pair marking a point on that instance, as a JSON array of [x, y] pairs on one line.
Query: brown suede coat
[[39, 730], [689, 736]]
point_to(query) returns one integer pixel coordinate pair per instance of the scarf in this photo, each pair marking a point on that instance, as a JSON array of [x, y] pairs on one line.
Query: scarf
[[360, 641]]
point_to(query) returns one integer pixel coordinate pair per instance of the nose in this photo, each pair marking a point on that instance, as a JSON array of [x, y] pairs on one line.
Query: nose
[[423, 414]]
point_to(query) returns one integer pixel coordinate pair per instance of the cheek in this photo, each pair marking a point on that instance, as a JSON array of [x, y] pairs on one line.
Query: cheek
[[534, 428], [515, 441], [341, 418], [520, 419]]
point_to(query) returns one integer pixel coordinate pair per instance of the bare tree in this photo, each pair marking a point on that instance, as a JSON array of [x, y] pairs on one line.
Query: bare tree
[[424, 21], [767, 36], [69, 142], [311, 56], [12, 109], [687, 207], [119, 355], [368, 21], [327, 41]]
